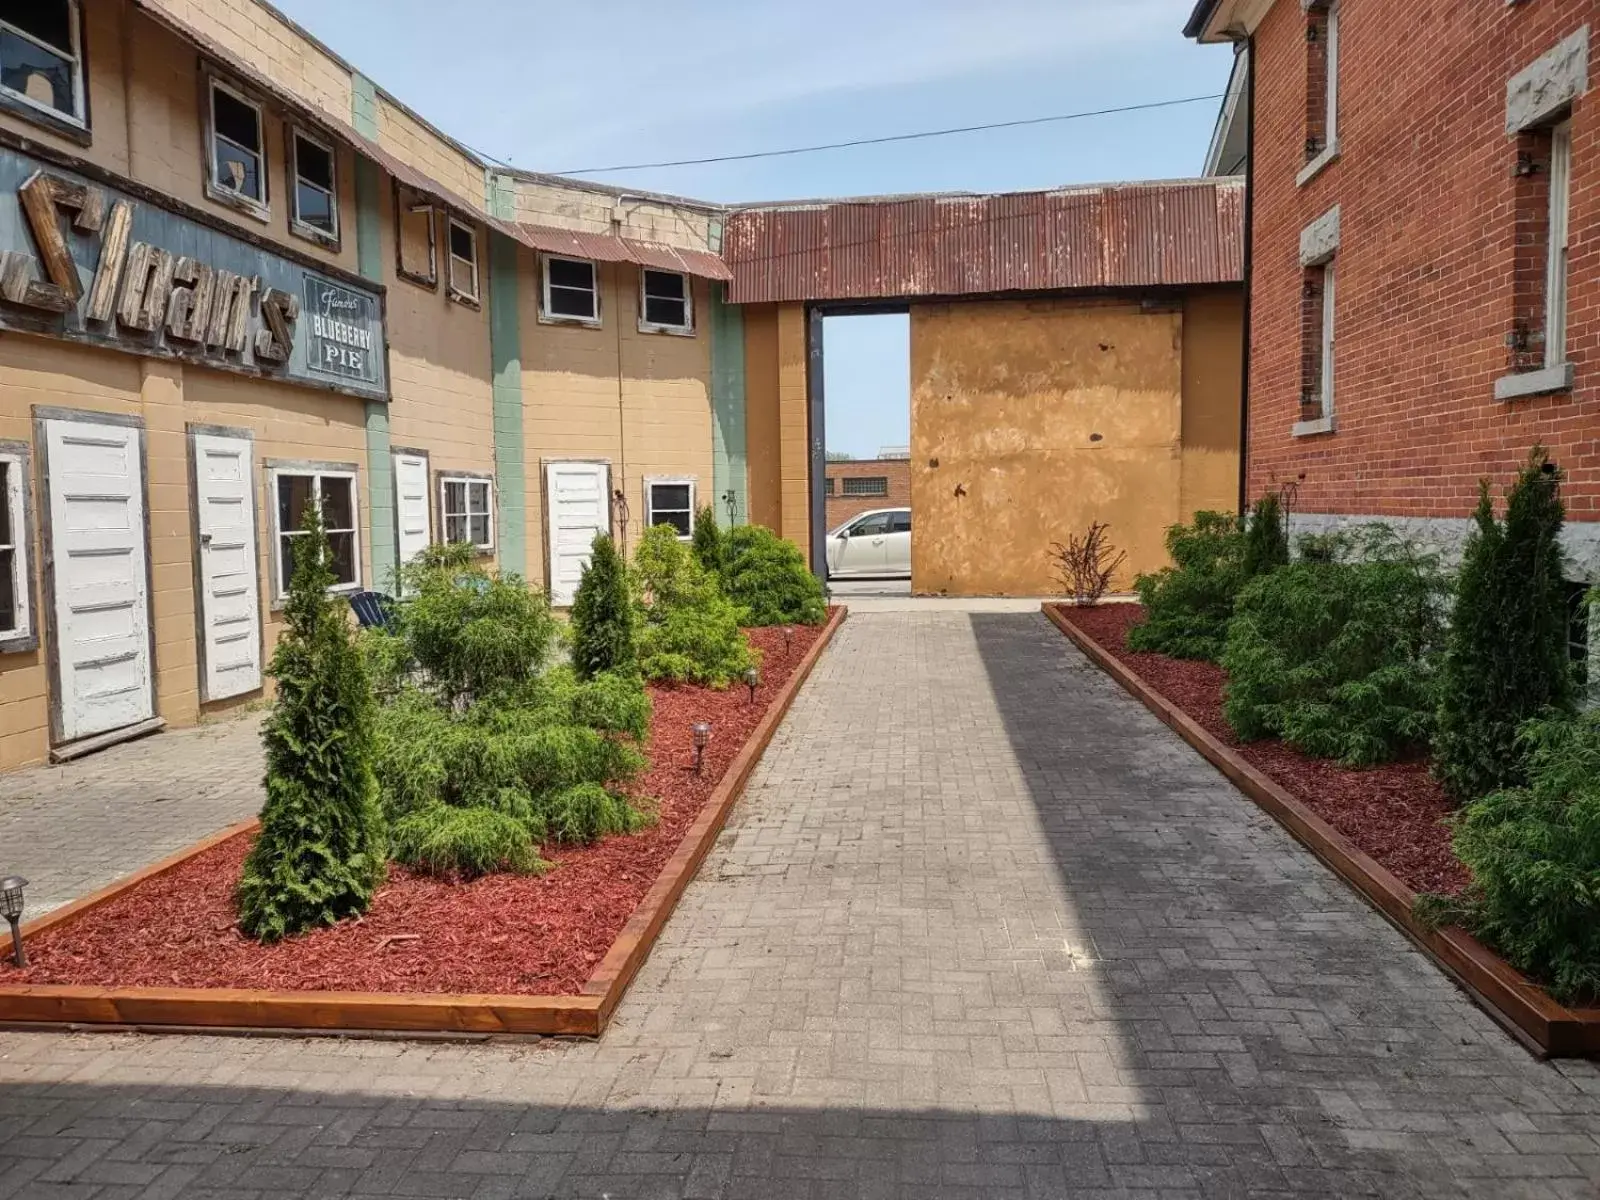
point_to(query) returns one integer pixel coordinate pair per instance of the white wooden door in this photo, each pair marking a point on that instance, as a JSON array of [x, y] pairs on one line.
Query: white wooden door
[[579, 507], [414, 527], [102, 599], [230, 594]]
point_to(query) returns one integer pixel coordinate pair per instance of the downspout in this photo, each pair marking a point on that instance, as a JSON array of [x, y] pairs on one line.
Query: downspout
[[1249, 259]]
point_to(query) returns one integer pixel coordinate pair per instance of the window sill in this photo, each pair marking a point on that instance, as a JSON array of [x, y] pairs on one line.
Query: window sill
[[241, 204], [1521, 384], [546, 318], [63, 127], [431, 282], [1330, 154], [22, 643], [685, 331], [464, 299], [1314, 428], [317, 237]]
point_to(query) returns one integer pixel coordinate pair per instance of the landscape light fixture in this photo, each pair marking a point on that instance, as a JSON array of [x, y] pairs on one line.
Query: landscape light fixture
[[702, 738], [752, 680], [788, 639], [11, 908]]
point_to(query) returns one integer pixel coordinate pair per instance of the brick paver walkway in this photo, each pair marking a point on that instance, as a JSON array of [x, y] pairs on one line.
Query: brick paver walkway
[[74, 828], [981, 928]]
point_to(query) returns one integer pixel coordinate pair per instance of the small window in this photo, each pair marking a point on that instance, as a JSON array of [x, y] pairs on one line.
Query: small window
[[1322, 84], [866, 485], [463, 262], [236, 145], [664, 302], [670, 502], [40, 61], [316, 195], [1555, 320], [294, 490], [1317, 312], [827, 486], [570, 290], [466, 504], [16, 623], [416, 251]]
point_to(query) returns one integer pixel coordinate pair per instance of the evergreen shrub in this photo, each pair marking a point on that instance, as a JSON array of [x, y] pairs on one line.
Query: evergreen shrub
[[1506, 656], [1188, 605], [321, 849], [767, 577], [1339, 658], [1534, 854], [689, 631], [603, 617]]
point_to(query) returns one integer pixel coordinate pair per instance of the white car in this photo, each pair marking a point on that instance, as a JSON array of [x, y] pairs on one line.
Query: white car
[[873, 545]]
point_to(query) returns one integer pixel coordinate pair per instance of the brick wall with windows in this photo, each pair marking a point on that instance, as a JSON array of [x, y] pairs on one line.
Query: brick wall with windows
[[1443, 251], [857, 487]]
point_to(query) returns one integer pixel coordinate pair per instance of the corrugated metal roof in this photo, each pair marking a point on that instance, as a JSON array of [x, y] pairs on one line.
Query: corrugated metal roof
[[608, 247], [1174, 234]]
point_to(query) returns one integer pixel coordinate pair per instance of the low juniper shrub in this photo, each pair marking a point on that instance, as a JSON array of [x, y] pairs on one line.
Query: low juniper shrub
[[1339, 658], [1187, 606], [767, 577], [1534, 854], [689, 630]]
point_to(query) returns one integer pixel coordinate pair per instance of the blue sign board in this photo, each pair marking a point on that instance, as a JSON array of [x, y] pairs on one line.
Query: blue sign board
[[95, 263]]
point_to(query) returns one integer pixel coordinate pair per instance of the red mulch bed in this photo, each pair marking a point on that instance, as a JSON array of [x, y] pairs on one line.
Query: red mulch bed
[[501, 934], [1393, 812]]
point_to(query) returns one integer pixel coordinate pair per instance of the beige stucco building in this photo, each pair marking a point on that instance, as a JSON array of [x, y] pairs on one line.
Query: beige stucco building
[[239, 278]]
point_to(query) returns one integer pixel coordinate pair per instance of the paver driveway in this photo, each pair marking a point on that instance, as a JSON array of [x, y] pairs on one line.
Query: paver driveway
[[982, 927]]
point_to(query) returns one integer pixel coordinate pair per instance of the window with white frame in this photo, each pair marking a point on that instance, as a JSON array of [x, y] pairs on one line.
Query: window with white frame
[[665, 303], [670, 502], [1322, 85], [463, 261], [1555, 288], [16, 623], [571, 290], [294, 490], [316, 192], [466, 507], [237, 141], [41, 61], [1328, 295]]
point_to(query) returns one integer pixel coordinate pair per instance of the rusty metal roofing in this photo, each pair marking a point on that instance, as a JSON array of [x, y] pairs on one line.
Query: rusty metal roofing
[[1175, 234], [608, 247]]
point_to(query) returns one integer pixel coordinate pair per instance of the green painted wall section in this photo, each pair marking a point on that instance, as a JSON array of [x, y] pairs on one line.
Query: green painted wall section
[[500, 194], [728, 459], [505, 348], [364, 106], [385, 536]]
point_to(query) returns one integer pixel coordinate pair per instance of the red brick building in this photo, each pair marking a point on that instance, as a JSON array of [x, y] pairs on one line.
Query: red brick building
[[1423, 255], [861, 485]]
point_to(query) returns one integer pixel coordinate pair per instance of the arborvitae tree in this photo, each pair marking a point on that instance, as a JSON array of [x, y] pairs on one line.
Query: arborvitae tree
[[709, 545], [1506, 655], [1266, 543], [321, 850], [603, 634]]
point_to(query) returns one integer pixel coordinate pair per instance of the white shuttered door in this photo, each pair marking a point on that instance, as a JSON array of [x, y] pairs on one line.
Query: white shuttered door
[[102, 599], [579, 508], [411, 504], [230, 595]]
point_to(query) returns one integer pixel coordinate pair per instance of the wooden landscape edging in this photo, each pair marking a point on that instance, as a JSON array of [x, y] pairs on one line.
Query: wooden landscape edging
[[1516, 1002], [251, 1010]]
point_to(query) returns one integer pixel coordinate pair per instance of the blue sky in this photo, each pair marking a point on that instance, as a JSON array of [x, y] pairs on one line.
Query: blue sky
[[559, 86]]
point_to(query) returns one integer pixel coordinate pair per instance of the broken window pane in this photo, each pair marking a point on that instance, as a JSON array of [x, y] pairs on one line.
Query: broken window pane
[[236, 120], [49, 21]]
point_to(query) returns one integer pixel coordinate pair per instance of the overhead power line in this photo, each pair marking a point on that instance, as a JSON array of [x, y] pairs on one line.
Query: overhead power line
[[897, 137]]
